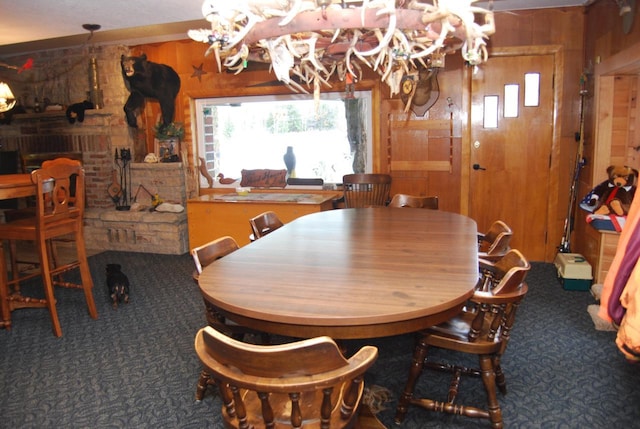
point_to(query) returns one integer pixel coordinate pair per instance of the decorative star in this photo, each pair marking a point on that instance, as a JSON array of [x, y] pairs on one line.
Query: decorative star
[[198, 72]]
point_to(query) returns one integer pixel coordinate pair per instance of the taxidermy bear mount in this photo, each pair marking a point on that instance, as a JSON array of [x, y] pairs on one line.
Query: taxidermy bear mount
[[146, 79], [76, 111], [614, 195]]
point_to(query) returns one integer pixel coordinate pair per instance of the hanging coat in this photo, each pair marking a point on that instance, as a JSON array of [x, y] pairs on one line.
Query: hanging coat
[[628, 338], [614, 284]]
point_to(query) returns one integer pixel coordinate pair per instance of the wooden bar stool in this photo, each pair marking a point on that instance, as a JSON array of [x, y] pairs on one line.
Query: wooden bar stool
[[59, 212]]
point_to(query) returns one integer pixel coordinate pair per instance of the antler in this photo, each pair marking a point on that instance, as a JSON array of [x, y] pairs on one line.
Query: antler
[[293, 35]]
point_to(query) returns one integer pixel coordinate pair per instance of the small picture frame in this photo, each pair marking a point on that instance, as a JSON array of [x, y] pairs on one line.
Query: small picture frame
[[167, 150]]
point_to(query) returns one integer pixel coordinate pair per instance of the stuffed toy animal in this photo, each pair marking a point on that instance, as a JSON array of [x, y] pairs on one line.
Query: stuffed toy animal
[[614, 195], [76, 111]]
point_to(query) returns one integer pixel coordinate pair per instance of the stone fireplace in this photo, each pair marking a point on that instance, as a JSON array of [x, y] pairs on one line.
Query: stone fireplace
[[37, 136], [61, 76], [50, 133], [144, 231]]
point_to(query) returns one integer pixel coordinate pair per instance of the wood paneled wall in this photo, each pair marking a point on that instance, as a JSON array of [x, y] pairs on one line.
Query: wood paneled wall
[[610, 135], [561, 26]]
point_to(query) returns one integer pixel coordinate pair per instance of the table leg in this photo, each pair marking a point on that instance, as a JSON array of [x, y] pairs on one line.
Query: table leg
[[5, 313]]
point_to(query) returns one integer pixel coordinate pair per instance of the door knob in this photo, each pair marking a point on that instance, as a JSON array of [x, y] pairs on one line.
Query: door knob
[[477, 167]]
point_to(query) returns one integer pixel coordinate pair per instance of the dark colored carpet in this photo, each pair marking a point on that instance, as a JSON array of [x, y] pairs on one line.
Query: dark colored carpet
[[135, 367]]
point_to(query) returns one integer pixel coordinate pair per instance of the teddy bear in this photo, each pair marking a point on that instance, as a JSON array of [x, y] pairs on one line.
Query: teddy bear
[[614, 195]]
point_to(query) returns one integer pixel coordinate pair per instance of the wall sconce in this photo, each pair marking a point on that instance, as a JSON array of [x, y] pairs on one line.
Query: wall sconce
[[7, 100]]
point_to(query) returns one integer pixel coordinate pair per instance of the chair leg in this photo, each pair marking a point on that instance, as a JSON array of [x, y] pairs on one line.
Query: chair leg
[[417, 364], [53, 258], [500, 378], [489, 380], [13, 255], [204, 381], [48, 287], [5, 312], [16, 278], [85, 275], [53, 253]]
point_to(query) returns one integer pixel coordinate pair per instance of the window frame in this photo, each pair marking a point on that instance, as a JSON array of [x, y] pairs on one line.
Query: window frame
[[201, 102]]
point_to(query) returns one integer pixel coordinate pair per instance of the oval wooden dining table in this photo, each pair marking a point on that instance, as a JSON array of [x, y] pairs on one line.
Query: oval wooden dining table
[[349, 273]]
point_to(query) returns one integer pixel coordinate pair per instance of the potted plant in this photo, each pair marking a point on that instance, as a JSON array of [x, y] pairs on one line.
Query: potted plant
[[170, 131]]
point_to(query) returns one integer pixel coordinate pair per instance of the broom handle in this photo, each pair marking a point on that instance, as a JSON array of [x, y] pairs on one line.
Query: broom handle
[[565, 245]]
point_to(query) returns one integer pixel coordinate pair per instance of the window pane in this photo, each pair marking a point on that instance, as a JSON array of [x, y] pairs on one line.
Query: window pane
[[491, 111], [532, 89], [511, 94], [254, 133]]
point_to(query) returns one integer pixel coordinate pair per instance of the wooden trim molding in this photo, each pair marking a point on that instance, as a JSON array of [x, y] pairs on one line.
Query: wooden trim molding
[[624, 63]]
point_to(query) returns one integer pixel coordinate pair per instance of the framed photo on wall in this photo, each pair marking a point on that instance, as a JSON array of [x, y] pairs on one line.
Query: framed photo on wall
[[167, 150]]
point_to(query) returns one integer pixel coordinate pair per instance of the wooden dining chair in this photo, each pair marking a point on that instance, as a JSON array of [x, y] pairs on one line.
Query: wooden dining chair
[[263, 224], [484, 332], [495, 243], [412, 201], [209, 252], [203, 256], [366, 190], [492, 272], [59, 213], [307, 383]]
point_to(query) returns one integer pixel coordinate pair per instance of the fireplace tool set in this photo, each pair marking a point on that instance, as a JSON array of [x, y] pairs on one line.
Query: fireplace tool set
[[120, 192], [155, 198]]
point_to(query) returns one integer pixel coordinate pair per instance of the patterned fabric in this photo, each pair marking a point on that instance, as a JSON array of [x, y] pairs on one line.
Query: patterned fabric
[[621, 290], [628, 339], [607, 222], [608, 293]]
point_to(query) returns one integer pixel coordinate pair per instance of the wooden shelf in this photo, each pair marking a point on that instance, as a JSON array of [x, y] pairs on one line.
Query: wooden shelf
[[56, 114]]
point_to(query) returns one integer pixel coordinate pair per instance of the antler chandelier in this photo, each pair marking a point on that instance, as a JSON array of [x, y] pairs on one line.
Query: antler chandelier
[[309, 41]]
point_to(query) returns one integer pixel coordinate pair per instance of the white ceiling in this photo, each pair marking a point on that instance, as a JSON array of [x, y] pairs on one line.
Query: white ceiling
[[58, 23]]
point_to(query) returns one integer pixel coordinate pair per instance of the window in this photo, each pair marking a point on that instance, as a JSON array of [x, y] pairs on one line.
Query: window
[[255, 132]]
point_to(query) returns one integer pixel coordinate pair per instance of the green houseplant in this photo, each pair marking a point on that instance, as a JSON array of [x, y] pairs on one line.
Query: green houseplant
[[174, 130]]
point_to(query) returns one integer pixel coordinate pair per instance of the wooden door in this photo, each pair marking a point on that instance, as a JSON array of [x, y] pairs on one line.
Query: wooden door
[[510, 158]]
